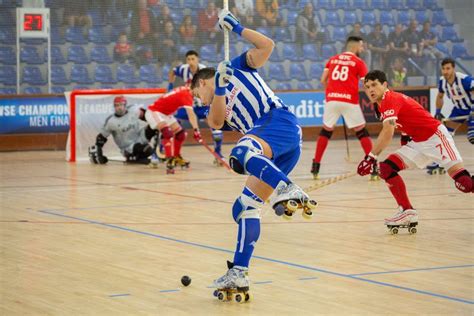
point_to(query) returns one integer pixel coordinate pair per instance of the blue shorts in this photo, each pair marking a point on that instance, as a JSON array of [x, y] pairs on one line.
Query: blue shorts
[[201, 113], [455, 112], [280, 129]]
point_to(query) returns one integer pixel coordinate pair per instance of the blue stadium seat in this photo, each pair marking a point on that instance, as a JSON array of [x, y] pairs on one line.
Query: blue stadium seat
[[368, 18], [360, 4], [302, 3], [98, 36], [309, 52], [103, 74], [449, 34], [378, 4], [32, 75], [192, 4], [149, 74], [75, 35], [126, 74], [80, 87], [290, 52], [56, 36], [106, 87], [339, 34], [342, 4], [421, 16], [404, 17], [460, 51], [263, 73], [32, 90], [276, 71], [177, 16], [8, 75], [57, 56], [332, 18], [265, 31], [413, 4], [8, 91], [395, 4], [275, 56], [350, 17], [8, 17], [96, 17], [304, 86], [431, 4], [283, 86], [58, 89], [77, 55], [324, 4], [327, 51], [7, 55], [29, 55], [439, 18], [80, 74], [316, 70], [442, 48], [7, 36], [298, 72], [58, 75], [291, 17], [208, 53], [387, 18], [282, 34], [100, 55]]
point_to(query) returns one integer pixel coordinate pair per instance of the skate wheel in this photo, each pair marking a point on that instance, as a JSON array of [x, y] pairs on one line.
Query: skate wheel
[[215, 293], [315, 176], [287, 215], [412, 230], [279, 209], [435, 171], [221, 295], [307, 214], [394, 230], [312, 204], [239, 298], [292, 205], [442, 171], [248, 297]]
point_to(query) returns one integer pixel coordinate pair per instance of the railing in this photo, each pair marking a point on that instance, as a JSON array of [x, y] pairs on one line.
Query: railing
[[415, 65]]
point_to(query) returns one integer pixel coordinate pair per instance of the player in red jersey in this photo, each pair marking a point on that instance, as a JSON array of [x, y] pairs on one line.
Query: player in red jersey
[[431, 141], [341, 78], [159, 116]]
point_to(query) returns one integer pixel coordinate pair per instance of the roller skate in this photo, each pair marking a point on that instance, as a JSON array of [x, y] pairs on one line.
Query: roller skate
[[218, 162], [434, 168], [180, 161], [233, 286], [374, 175], [315, 170], [154, 161], [170, 164], [290, 198], [403, 219]]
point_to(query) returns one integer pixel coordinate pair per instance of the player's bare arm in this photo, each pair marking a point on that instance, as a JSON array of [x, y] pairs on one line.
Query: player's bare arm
[[171, 76], [385, 137], [439, 100], [324, 77], [258, 56], [192, 117]]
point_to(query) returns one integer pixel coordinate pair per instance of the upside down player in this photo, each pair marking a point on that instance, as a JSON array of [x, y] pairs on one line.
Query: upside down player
[[431, 141], [159, 116], [341, 79], [268, 151]]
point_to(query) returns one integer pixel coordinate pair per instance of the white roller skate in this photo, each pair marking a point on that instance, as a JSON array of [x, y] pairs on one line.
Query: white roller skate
[[233, 286], [403, 219], [154, 161], [289, 198], [434, 168]]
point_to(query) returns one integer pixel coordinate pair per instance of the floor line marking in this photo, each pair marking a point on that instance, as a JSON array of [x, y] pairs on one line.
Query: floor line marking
[[414, 270]]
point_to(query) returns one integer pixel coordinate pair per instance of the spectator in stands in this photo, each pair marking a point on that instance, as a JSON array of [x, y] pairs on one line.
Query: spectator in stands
[[398, 44], [122, 49], [207, 20], [142, 24], [187, 30], [244, 11], [169, 42], [357, 32], [75, 13], [268, 13], [397, 75], [428, 42], [307, 29], [378, 45], [164, 17], [413, 39]]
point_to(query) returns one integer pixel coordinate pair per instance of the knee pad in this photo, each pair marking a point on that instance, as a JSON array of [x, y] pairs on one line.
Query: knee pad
[[100, 140], [388, 169], [246, 148], [362, 133], [463, 181], [246, 207], [405, 139], [325, 133], [470, 132], [180, 136], [149, 132], [166, 133], [217, 135], [142, 150]]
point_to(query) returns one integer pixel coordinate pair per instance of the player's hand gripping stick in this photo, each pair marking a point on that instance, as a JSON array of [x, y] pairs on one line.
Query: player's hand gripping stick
[[222, 77], [197, 135], [227, 21], [367, 165]]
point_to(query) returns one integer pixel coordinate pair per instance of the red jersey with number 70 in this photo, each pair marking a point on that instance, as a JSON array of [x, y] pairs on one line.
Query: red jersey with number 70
[[410, 117], [172, 101], [345, 72]]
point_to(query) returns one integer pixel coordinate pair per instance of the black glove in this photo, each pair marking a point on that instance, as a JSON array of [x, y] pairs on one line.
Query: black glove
[[96, 156]]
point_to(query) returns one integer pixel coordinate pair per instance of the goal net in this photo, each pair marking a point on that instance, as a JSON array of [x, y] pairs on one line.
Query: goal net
[[88, 112]]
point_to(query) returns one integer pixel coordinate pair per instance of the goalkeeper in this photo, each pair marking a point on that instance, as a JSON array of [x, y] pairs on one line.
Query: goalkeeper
[[131, 134]]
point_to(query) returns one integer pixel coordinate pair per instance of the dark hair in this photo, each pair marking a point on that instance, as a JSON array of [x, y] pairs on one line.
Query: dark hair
[[192, 52], [354, 39], [376, 75], [448, 61], [204, 74]]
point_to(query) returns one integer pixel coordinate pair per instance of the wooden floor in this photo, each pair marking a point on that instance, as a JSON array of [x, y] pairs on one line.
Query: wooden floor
[[80, 239]]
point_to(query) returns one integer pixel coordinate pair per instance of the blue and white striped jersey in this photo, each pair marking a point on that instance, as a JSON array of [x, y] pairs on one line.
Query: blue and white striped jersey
[[183, 71], [460, 92], [247, 97]]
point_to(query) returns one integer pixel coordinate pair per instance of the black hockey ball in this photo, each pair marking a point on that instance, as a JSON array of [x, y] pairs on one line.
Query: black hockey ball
[[185, 280]]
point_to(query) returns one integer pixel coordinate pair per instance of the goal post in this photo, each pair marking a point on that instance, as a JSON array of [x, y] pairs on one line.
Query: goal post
[[88, 110]]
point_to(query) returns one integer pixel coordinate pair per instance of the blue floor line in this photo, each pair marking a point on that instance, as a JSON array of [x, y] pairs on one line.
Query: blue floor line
[[414, 270], [263, 282], [168, 291], [308, 278], [119, 295], [264, 258]]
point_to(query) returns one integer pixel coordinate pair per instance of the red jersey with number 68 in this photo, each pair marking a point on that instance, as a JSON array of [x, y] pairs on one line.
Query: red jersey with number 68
[[410, 117], [172, 101], [345, 72]]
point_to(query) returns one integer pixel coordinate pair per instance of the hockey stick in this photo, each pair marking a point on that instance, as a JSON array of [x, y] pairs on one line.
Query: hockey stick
[[226, 34], [222, 161], [348, 154], [455, 118], [329, 181]]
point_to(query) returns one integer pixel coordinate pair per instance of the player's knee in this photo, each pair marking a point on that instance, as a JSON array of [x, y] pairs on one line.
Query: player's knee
[[463, 181], [325, 133], [245, 207], [217, 135], [362, 133], [246, 148], [166, 133], [100, 140], [180, 136], [388, 169]]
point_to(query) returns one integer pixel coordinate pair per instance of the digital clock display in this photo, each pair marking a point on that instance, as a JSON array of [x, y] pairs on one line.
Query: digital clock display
[[33, 22]]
